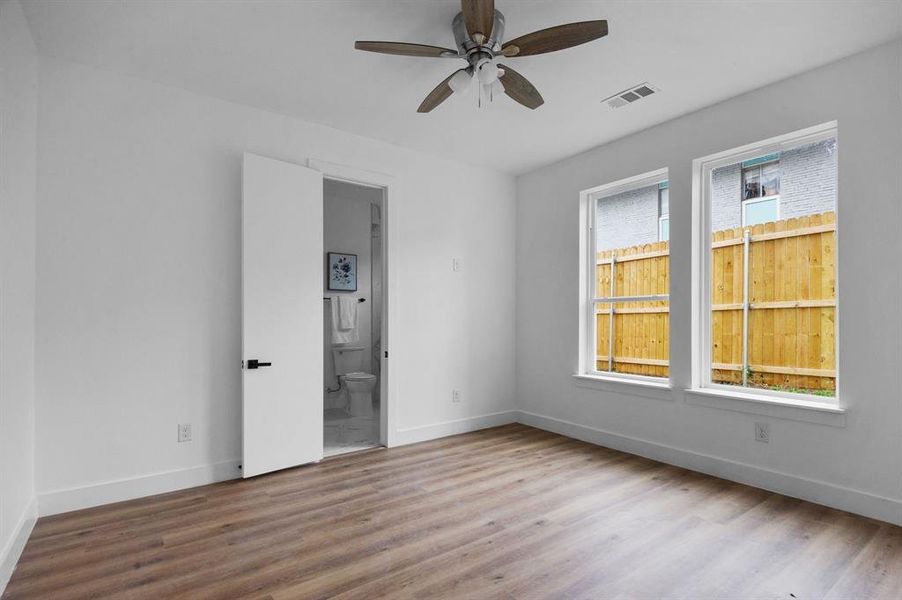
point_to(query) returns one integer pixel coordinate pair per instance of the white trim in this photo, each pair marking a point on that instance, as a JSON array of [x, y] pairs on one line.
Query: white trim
[[702, 168], [765, 395], [413, 435], [780, 143], [657, 388], [391, 190], [107, 492], [587, 300], [9, 555], [589, 321], [819, 492], [130, 488], [757, 404], [627, 184]]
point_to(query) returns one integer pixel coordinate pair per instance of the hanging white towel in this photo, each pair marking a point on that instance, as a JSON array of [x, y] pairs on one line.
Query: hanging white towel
[[344, 320]]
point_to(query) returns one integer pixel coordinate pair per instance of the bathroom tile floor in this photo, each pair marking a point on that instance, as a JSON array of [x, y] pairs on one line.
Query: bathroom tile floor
[[346, 433]]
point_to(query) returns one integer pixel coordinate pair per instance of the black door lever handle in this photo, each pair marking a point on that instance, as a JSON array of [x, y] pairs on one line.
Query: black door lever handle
[[256, 364]]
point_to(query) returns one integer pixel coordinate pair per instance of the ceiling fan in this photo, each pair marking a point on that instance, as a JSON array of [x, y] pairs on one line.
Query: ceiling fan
[[479, 33]]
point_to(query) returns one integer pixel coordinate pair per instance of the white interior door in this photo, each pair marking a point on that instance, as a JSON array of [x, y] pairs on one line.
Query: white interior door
[[282, 343]]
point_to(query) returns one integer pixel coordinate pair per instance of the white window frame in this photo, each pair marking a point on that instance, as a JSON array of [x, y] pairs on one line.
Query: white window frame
[[588, 300], [661, 220], [663, 217], [758, 166], [762, 199], [702, 170]]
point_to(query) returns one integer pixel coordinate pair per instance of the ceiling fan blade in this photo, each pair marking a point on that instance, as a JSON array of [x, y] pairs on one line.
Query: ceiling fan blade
[[519, 89], [441, 93], [479, 16], [405, 49], [555, 38]]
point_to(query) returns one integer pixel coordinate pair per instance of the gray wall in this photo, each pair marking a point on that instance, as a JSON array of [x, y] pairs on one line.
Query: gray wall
[[18, 122], [856, 466], [627, 219], [164, 318], [807, 185]]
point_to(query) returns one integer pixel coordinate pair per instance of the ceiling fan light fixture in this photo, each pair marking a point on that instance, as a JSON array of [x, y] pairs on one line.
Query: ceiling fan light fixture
[[487, 71], [460, 82]]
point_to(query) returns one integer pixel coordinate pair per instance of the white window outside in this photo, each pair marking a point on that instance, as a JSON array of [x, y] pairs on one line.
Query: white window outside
[[760, 210], [760, 190], [766, 307], [663, 212], [625, 306]]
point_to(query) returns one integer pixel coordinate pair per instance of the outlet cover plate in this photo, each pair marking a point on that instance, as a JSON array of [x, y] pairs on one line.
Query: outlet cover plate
[[184, 432]]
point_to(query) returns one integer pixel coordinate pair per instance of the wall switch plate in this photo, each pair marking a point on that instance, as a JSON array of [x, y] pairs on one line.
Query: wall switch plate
[[455, 265], [455, 395], [762, 432], [184, 432]]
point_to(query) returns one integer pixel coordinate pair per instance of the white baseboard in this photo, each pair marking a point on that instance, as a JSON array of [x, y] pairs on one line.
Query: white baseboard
[[9, 554], [843, 498], [60, 501], [819, 492], [424, 433]]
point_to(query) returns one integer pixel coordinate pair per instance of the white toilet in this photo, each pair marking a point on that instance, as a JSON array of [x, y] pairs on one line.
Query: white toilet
[[357, 385]]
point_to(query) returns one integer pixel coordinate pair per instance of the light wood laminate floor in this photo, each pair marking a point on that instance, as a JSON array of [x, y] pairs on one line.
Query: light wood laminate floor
[[509, 512]]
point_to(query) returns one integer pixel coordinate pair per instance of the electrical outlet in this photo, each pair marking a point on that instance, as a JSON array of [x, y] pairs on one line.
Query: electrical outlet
[[455, 265], [184, 432], [455, 395], [762, 432]]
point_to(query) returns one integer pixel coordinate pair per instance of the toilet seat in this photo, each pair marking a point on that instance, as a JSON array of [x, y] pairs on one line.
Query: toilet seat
[[359, 376]]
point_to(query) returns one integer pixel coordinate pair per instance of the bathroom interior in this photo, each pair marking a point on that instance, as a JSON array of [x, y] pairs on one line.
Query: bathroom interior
[[352, 316]]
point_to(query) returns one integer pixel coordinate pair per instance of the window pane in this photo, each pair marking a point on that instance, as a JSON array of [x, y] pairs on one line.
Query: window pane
[[664, 208], [770, 179], [631, 261], [627, 218], [762, 211], [640, 338], [751, 183], [790, 342]]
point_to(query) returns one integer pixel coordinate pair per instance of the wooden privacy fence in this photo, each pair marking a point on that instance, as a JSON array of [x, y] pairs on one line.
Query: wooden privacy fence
[[775, 327]]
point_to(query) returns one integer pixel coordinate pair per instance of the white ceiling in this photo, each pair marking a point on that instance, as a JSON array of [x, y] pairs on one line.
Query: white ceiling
[[297, 58]]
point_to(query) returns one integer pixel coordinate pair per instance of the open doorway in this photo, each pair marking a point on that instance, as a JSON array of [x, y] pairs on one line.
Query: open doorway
[[353, 316]]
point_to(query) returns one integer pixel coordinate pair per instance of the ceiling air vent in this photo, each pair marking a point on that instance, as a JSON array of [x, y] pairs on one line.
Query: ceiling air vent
[[629, 96]]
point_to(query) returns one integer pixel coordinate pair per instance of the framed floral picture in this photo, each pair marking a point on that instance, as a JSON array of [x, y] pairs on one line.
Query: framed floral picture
[[342, 271]]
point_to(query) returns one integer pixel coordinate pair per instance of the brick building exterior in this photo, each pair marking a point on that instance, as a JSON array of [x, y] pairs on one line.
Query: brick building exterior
[[628, 218], [807, 186]]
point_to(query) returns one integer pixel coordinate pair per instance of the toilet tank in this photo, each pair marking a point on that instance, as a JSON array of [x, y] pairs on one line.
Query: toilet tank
[[348, 359]]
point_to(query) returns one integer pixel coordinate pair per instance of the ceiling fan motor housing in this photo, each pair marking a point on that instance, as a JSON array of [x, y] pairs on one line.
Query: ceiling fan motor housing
[[466, 46]]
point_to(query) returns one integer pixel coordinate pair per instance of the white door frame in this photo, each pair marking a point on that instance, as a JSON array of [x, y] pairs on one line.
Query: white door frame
[[390, 194]]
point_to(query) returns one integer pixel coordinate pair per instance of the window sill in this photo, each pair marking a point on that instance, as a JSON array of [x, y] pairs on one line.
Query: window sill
[[633, 387], [807, 411]]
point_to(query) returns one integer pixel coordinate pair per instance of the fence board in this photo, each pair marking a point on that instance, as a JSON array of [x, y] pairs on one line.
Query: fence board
[[792, 305]]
